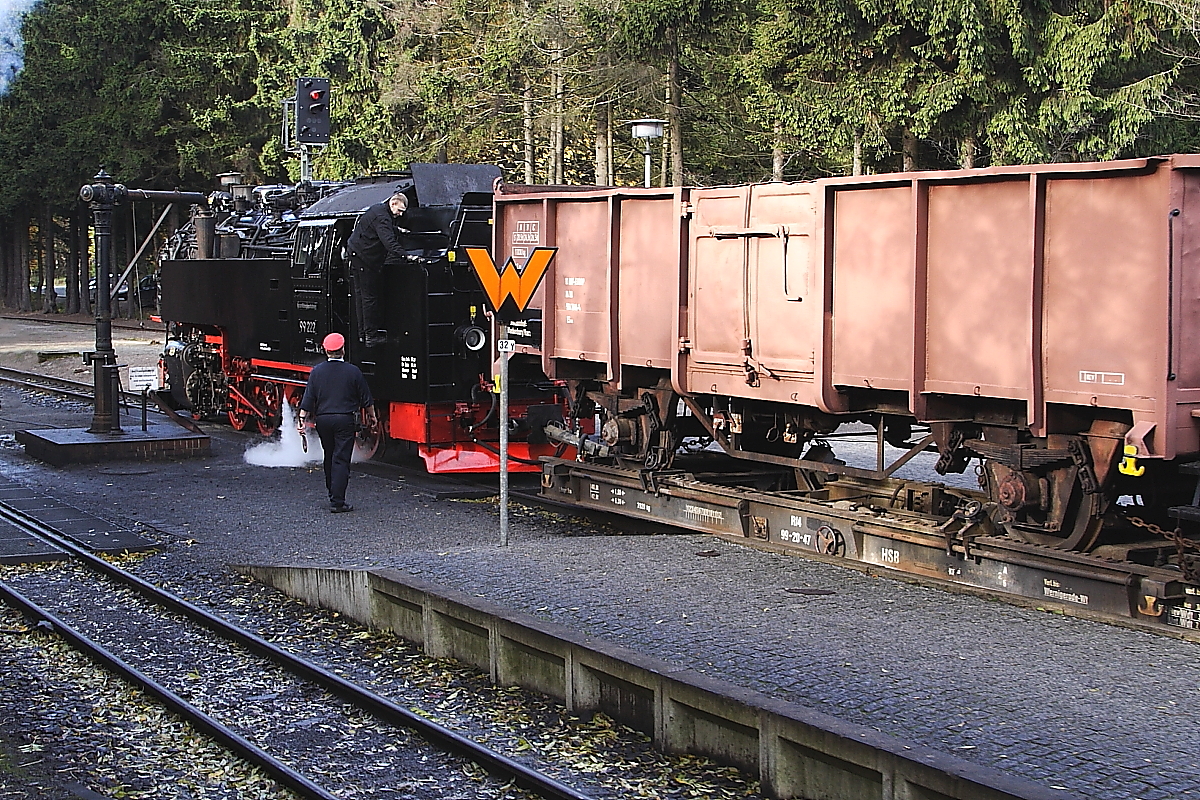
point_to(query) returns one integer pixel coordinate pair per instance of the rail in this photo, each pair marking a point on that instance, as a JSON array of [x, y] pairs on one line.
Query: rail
[[380, 707], [64, 387]]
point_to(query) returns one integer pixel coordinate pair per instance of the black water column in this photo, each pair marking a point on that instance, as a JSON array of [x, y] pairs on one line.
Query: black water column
[[101, 196]]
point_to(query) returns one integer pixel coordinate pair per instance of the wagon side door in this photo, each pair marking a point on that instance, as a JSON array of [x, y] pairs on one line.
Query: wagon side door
[[751, 288], [780, 357], [718, 323]]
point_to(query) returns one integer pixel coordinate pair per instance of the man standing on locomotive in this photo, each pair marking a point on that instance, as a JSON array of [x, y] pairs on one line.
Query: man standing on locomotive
[[335, 394], [374, 244]]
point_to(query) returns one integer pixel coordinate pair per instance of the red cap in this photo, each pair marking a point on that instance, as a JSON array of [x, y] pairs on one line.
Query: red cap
[[334, 341]]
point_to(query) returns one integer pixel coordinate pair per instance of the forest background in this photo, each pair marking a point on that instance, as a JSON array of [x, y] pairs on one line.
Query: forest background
[[169, 93]]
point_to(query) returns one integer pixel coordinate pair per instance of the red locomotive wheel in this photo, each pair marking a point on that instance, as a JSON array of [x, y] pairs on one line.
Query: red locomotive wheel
[[370, 443], [239, 420], [269, 399]]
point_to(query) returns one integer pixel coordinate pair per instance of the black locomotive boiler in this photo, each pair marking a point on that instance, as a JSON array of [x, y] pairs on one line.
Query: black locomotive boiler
[[266, 277]]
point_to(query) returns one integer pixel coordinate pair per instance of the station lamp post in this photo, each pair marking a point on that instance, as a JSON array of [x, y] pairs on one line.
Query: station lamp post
[[647, 129]]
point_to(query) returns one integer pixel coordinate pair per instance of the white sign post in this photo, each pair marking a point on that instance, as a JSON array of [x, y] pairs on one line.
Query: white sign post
[[505, 346]]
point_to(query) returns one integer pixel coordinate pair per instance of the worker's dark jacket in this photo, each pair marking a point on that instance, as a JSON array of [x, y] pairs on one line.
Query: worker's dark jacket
[[336, 387], [375, 240]]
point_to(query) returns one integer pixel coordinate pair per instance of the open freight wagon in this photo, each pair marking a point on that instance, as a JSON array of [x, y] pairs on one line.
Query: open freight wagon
[[1039, 323]]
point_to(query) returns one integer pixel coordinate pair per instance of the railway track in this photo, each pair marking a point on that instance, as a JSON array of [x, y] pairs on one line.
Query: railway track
[[1102, 586], [61, 387], [139, 631]]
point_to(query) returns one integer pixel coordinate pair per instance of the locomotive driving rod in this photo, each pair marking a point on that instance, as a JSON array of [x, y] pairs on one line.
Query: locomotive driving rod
[[102, 196]]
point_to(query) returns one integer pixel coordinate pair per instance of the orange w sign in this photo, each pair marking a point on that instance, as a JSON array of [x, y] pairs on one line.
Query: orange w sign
[[508, 290]]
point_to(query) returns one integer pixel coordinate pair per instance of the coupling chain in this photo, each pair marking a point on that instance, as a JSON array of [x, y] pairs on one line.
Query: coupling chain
[[1138, 522], [1190, 566]]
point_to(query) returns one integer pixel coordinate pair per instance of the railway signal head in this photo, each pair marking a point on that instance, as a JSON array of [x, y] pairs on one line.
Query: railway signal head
[[312, 110]]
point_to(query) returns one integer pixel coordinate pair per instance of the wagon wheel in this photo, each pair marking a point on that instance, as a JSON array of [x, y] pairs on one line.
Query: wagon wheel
[[370, 442], [1089, 522], [270, 400]]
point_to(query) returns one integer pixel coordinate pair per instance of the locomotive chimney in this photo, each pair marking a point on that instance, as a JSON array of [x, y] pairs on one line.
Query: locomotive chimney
[[206, 232]]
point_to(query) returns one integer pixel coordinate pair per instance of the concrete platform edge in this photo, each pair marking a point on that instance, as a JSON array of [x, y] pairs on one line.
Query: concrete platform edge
[[795, 751]]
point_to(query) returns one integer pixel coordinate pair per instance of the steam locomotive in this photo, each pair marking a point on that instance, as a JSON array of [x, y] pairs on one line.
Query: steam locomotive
[[251, 285]]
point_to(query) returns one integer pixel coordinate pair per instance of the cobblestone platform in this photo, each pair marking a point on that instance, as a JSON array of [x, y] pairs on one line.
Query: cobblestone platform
[[1098, 710]]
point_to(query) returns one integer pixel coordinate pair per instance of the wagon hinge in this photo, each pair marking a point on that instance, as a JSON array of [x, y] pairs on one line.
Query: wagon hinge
[[686, 209]]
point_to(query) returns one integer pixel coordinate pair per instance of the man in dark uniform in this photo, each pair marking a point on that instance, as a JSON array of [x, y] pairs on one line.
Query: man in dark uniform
[[374, 243], [336, 392]]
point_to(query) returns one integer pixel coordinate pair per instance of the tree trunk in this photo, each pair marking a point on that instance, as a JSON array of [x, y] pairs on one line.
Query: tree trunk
[[527, 122], [909, 149], [675, 117], [8, 277], [12, 266], [20, 240], [857, 167], [558, 140], [40, 262], [85, 270], [777, 160], [600, 121], [665, 157], [612, 170], [968, 150], [126, 256], [135, 301], [73, 264], [49, 262]]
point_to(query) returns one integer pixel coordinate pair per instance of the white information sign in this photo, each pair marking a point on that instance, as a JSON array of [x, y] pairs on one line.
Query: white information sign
[[143, 378], [506, 345]]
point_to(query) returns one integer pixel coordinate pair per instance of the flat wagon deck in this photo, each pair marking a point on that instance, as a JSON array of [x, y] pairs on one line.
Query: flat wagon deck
[[852, 522]]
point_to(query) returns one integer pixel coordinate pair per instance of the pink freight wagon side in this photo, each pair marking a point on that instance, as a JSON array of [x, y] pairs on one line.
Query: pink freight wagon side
[[1042, 319]]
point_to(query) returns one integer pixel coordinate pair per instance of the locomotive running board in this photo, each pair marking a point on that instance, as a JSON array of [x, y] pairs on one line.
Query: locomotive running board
[[892, 542]]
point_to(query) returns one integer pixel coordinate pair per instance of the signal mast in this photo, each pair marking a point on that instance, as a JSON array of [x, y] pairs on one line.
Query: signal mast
[[306, 122]]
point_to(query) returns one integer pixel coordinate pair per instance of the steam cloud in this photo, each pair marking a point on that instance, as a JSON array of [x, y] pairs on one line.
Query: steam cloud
[[286, 451], [12, 46]]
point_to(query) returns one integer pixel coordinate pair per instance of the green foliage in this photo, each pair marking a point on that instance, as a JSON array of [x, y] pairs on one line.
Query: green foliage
[[167, 93]]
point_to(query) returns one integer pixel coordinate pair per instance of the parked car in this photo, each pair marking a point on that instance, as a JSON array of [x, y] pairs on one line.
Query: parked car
[[147, 292]]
